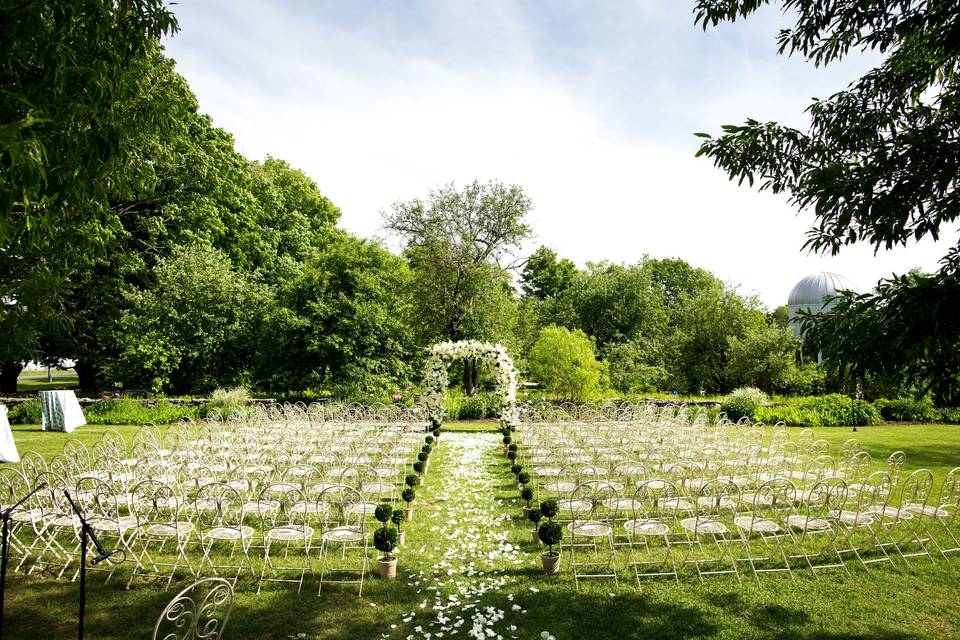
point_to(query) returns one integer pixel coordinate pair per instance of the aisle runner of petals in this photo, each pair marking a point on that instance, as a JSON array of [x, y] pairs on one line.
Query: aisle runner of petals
[[474, 551]]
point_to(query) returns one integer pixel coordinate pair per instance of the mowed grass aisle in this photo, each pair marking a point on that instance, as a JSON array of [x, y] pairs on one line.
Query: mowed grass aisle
[[467, 540]]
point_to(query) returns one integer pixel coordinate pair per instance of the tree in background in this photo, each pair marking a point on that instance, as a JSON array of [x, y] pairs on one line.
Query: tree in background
[[564, 362], [614, 303], [546, 275], [765, 356], [460, 244], [344, 322], [700, 343], [195, 329], [879, 163]]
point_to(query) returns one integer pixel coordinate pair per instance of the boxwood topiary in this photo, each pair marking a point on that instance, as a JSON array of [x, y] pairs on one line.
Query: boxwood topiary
[[385, 540], [383, 512]]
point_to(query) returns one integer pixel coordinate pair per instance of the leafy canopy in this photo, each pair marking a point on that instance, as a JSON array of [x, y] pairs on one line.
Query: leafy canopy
[[564, 362]]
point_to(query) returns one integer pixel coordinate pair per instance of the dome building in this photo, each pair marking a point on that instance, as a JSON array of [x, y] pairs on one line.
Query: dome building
[[809, 295]]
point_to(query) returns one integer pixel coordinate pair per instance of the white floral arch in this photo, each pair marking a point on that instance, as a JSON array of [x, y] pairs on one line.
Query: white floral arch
[[435, 380]]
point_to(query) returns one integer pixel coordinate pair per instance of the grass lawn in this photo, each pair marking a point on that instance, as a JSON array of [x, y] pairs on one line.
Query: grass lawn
[[36, 380], [920, 602]]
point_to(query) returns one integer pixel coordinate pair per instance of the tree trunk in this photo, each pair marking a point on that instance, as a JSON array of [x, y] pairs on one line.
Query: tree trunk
[[9, 372], [90, 376], [469, 378]]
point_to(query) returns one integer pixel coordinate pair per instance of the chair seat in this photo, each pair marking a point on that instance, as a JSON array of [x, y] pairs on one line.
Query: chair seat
[[361, 508], [63, 521], [290, 532], [309, 507], [680, 504], [713, 527], [852, 518], [124, 523], [928, 510], [808, 524], [892, 513], [343, 534], [163, 530], [723, 503], [229, 533], [646, 527], [560, 486], [261, 506], [574, 506], [589, 528], [759, 499], [753, 523], [28, 515], [622, 504]]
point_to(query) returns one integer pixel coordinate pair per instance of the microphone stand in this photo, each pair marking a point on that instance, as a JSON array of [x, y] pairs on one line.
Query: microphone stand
[[6, 514], [86, 531]]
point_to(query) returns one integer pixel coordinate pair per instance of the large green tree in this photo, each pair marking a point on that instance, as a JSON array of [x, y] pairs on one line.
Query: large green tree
[[343, 322], [461, 244], [879, 163], [195, 329]]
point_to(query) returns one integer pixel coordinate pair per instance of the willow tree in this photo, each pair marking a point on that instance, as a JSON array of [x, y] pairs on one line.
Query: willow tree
[[461, 245], [879, 163]]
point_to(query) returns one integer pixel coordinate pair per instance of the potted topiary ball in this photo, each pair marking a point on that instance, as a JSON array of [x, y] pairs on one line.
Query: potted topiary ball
[[534, 516], [515, 469], [526, 494], [382, 513], [409, 495], [419, 468], [396, 518], [512, 447], [506, 443], [411, 479], [550, 534], [385, 540], [523, 479], [511, 455], [430, 440]]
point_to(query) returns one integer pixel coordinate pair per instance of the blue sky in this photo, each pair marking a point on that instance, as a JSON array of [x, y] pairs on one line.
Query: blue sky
[[590, 106]]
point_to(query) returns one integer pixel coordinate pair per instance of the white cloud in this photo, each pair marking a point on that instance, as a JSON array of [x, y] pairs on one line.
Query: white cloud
[[377, 111]]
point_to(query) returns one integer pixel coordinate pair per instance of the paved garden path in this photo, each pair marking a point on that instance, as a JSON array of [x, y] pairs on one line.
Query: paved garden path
[[466, 592]]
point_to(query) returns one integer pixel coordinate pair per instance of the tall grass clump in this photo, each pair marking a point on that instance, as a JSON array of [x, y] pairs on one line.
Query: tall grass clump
[[743, 403], [225, 403]]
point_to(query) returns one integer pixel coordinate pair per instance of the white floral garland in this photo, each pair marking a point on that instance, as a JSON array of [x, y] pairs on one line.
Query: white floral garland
[[435, 379]]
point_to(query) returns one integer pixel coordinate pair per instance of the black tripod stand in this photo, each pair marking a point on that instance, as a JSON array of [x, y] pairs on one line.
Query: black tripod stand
[[6, 514], [86, 532]]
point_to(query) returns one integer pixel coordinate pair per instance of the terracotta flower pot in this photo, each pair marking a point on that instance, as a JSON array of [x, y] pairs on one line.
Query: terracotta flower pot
[[526, 511], [535, 535], [388, 568], [551, 563], [401, 537], [408, 514]]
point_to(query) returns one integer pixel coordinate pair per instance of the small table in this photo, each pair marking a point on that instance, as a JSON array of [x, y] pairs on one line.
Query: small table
[[8, 448], [61, 411]]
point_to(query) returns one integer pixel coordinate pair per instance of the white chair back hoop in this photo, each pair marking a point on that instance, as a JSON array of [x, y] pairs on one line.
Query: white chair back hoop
[[199, 612]]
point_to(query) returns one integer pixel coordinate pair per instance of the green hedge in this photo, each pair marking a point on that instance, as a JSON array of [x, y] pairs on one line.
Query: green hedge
[[907, 410], [130, 411], [483, 405], [833, 410]]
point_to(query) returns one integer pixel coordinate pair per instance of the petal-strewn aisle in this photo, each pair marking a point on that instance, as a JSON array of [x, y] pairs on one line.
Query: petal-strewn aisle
[[466, 592]]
